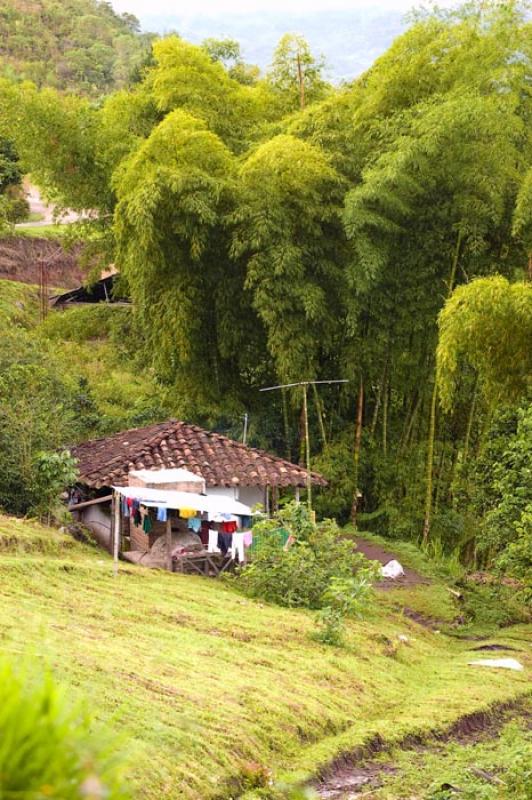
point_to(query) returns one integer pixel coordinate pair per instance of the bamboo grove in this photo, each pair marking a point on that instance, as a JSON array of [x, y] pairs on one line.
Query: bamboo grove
[[277, 229]]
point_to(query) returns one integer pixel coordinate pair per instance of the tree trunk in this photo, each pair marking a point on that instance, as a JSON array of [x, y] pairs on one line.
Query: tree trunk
[[319, 412], [430, 458], [385, 421], [286, 425], [356, 454], [302, 436], [432, 422], [469, 427], [301, 81], [378, 401]]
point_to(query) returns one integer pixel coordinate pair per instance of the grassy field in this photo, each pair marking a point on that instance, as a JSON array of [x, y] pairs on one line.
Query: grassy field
[[201, 682]]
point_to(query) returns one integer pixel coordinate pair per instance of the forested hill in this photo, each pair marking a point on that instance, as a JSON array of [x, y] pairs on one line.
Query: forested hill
[[82, 45]]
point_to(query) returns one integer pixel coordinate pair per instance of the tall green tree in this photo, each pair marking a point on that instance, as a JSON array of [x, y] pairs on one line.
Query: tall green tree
[[296, 75], [288, 232], [488, 324]]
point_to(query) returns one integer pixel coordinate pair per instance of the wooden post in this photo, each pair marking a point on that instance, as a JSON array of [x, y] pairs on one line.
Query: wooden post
[[307, 448], [116, 530], [297, 495], [168, 537], [356, 454]]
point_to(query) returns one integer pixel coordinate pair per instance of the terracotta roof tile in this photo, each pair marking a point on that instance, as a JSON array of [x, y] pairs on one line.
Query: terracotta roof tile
[[221, 461]]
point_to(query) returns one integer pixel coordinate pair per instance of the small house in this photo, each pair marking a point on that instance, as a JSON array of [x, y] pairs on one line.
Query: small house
[[227, 470]]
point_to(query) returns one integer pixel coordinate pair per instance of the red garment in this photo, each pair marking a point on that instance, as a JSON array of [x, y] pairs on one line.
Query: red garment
[[204, 533], [228, 527]]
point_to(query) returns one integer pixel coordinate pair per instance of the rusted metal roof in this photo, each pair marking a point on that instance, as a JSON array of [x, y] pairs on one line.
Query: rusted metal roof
[[221, 461]]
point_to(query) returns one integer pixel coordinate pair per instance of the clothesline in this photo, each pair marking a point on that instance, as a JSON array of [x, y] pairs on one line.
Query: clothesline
[[174, 500]]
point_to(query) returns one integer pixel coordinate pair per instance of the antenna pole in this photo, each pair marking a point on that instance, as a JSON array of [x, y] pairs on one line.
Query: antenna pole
[[304, 385], [307, 447]]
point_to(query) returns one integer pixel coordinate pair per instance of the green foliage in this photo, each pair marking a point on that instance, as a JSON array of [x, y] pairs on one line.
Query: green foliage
[[262, 245], [78, 45], [488, 323], [295, 75], [36, 414], [507, 526], [53, 472], [188, 78], [287, 229], [49, 747], [87, 323], [296, 575], [344, 597]]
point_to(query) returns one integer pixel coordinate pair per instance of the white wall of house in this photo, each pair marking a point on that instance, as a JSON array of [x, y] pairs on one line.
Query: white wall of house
[[97, 518], [250, 495]]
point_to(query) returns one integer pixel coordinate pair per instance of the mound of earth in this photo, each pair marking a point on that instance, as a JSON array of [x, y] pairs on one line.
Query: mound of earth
[[22, 258]]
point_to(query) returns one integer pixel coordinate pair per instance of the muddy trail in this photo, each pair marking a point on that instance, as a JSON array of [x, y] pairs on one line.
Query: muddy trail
[[377, 553], [358, 773]]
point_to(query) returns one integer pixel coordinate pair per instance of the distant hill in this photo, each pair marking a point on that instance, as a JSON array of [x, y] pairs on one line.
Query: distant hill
[[349, 40], [80, 45]]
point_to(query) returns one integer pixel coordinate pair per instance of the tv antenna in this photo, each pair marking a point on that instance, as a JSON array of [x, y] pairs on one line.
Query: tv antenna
[[304, 385]]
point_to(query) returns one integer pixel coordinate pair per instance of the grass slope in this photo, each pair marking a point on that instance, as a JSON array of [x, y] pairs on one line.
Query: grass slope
[[202, 681], [19, 303]]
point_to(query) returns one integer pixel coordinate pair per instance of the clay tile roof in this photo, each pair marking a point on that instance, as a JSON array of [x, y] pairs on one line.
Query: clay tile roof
[[221, 461]]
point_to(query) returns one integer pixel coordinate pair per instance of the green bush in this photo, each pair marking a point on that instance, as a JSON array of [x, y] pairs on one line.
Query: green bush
[[47, 746], [343, 597], [83, 323], [298, 574]]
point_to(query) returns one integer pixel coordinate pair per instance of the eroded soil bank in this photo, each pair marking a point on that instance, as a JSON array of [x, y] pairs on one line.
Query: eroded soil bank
[[356, 774]]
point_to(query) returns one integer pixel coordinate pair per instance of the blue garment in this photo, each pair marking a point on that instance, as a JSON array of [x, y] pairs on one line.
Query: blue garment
[[162, 514], [194, 524]]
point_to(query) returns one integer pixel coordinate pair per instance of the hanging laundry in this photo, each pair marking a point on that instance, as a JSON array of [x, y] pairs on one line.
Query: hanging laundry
[[248, 538], [162, 514], [124, 507], [147, 524], [225, 540], [137, 518], [229, 527], [205, 532], [194, 524], [237, 547], [213, 542], [187, 513]]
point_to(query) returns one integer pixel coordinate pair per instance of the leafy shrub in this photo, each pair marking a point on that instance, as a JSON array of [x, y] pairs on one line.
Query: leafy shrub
[[298, 574], [84, 323], [47, 747], [36, 415], [343, 597]]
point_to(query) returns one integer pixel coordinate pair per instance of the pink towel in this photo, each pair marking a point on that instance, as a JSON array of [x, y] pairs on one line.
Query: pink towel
[[248, 538]]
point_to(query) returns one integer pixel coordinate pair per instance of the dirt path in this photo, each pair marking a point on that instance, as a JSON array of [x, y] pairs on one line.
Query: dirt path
[[376, 553], [353, 775]]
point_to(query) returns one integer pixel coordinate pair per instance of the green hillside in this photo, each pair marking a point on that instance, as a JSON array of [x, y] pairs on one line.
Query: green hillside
[[80, 45], [211, 690]]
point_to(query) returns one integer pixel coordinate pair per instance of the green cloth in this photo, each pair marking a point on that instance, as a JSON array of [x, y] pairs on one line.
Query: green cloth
[[147, 524]]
